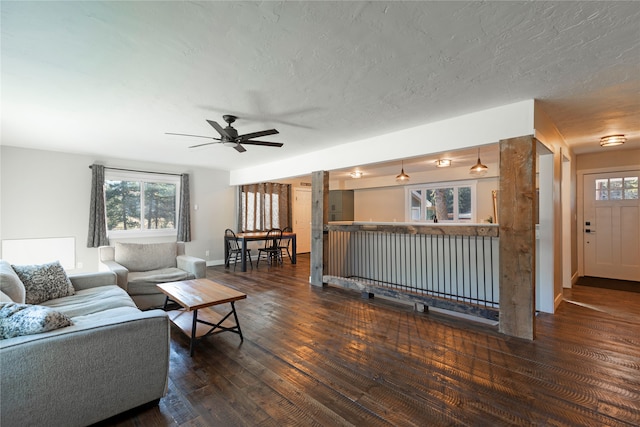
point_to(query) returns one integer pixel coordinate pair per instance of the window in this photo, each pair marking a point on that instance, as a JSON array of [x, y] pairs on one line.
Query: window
[[452, 202], [264, 206], [141, 203], [623, 188]]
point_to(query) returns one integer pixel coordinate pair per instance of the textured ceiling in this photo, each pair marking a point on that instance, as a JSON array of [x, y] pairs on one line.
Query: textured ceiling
[[110, 78]]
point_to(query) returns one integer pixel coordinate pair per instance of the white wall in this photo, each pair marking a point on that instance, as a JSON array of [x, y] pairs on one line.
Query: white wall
[[46, 194], [387, 204], [470, 130], [560, 209], [382, 199], [612, 157], [379, 204]]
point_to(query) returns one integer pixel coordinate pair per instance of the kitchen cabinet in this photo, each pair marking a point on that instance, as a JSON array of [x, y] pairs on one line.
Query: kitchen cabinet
[[341, 205]]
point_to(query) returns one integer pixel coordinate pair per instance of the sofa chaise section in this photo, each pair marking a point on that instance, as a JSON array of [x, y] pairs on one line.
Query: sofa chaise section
[[113, 358]]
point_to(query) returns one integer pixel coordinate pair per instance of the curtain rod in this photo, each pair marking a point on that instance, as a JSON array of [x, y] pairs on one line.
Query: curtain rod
[[139, 171]]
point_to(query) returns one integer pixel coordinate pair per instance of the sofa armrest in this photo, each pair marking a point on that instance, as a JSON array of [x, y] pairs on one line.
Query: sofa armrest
[[193, 265], [92, 280], [122, 274]]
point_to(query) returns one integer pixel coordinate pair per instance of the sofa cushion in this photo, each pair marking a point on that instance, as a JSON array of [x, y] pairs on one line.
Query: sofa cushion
[[91, 301], [5, 298], [144, 282], [146, 256], [10, 283], [44, 282], [25, 319]]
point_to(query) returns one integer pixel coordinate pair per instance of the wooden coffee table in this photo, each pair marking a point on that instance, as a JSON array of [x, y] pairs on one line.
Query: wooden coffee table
[[193, 295]]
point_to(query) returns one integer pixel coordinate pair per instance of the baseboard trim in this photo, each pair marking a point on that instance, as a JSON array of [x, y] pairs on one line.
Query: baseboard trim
[[574, 278]]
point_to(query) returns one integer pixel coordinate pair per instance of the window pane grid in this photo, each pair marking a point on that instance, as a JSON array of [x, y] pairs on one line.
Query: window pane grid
[[140, 205], [617, 188], [447, 203]]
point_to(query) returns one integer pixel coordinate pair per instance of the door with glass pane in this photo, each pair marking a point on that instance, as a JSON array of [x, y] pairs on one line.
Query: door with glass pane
[[612, 225]]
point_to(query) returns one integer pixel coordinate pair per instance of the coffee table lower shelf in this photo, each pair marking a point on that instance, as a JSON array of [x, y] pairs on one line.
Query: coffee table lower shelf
[[208, 322]]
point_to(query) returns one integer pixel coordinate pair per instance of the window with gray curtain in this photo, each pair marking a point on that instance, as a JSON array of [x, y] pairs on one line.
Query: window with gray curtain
[[264, 206], [126, 201], [184, 213], [97, 215]]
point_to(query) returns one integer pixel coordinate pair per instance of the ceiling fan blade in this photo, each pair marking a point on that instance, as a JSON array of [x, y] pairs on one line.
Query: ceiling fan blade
[[239, 148], [242, 138], [202, 145], [219, 128], [264, 143], [195, 136]]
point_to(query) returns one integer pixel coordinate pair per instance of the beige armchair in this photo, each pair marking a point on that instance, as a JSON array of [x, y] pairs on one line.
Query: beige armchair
[[140, 266]]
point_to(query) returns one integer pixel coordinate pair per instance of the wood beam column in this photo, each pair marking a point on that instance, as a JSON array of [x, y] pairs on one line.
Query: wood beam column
[[319, 219], [517, 236]]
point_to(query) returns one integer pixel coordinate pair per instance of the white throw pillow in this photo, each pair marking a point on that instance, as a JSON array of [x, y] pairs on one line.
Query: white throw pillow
[[25, 319]]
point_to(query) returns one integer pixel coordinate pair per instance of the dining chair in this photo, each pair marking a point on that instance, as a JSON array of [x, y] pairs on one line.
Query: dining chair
[[285, 243], [271, 249], [235, 251]]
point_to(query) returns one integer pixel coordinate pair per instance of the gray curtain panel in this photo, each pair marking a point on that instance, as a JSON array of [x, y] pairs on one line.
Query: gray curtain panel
[[184, 218], [97, 216], [264, 206]]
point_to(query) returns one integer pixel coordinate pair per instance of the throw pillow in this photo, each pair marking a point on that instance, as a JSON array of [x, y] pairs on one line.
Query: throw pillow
[[24, 319], [44, 282]]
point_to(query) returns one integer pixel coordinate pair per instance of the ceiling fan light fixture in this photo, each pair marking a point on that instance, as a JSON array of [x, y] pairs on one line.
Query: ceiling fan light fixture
[[229, 143], [356, 174], [612, 140], [478, 169], [443, 163], [403, 176]]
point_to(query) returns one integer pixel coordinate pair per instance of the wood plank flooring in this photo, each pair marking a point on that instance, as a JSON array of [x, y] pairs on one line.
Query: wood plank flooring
[[327, 357]]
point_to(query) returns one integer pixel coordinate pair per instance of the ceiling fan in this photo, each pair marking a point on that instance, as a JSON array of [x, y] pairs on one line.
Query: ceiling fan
[[229, 136]]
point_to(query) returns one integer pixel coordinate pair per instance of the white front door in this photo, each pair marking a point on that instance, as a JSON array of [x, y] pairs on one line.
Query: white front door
[[612, 225], [302, 219]]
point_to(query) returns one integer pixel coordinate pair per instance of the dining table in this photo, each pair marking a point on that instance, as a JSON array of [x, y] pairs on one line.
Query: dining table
[[255, 236]]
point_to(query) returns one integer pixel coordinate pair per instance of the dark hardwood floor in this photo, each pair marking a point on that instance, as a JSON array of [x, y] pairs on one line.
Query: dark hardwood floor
[[328, 357]]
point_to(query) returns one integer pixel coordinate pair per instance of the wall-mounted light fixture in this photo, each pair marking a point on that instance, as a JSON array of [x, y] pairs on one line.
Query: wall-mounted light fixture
[[356, 174], [612, 140], [478, 169], [443, 163], [403, 176]]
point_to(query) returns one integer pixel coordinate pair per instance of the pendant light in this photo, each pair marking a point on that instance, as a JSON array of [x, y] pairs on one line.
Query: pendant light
[[403, 176], [479, 169]]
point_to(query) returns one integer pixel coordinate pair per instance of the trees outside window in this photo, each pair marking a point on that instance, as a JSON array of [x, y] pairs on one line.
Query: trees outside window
[[452, 202], [141, 202]]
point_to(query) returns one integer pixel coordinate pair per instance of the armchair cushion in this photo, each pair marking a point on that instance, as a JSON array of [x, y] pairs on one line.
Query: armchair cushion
[[139, 282], [146, 256], [44, 282], [140, 266], [25, 319]]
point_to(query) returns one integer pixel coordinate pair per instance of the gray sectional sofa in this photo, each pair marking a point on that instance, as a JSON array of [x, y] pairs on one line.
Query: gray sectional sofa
[[141, 266], [114, 357]]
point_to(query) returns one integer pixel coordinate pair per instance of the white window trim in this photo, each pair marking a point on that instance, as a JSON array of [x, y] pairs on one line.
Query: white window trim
[[117, 175], [432, 185]]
